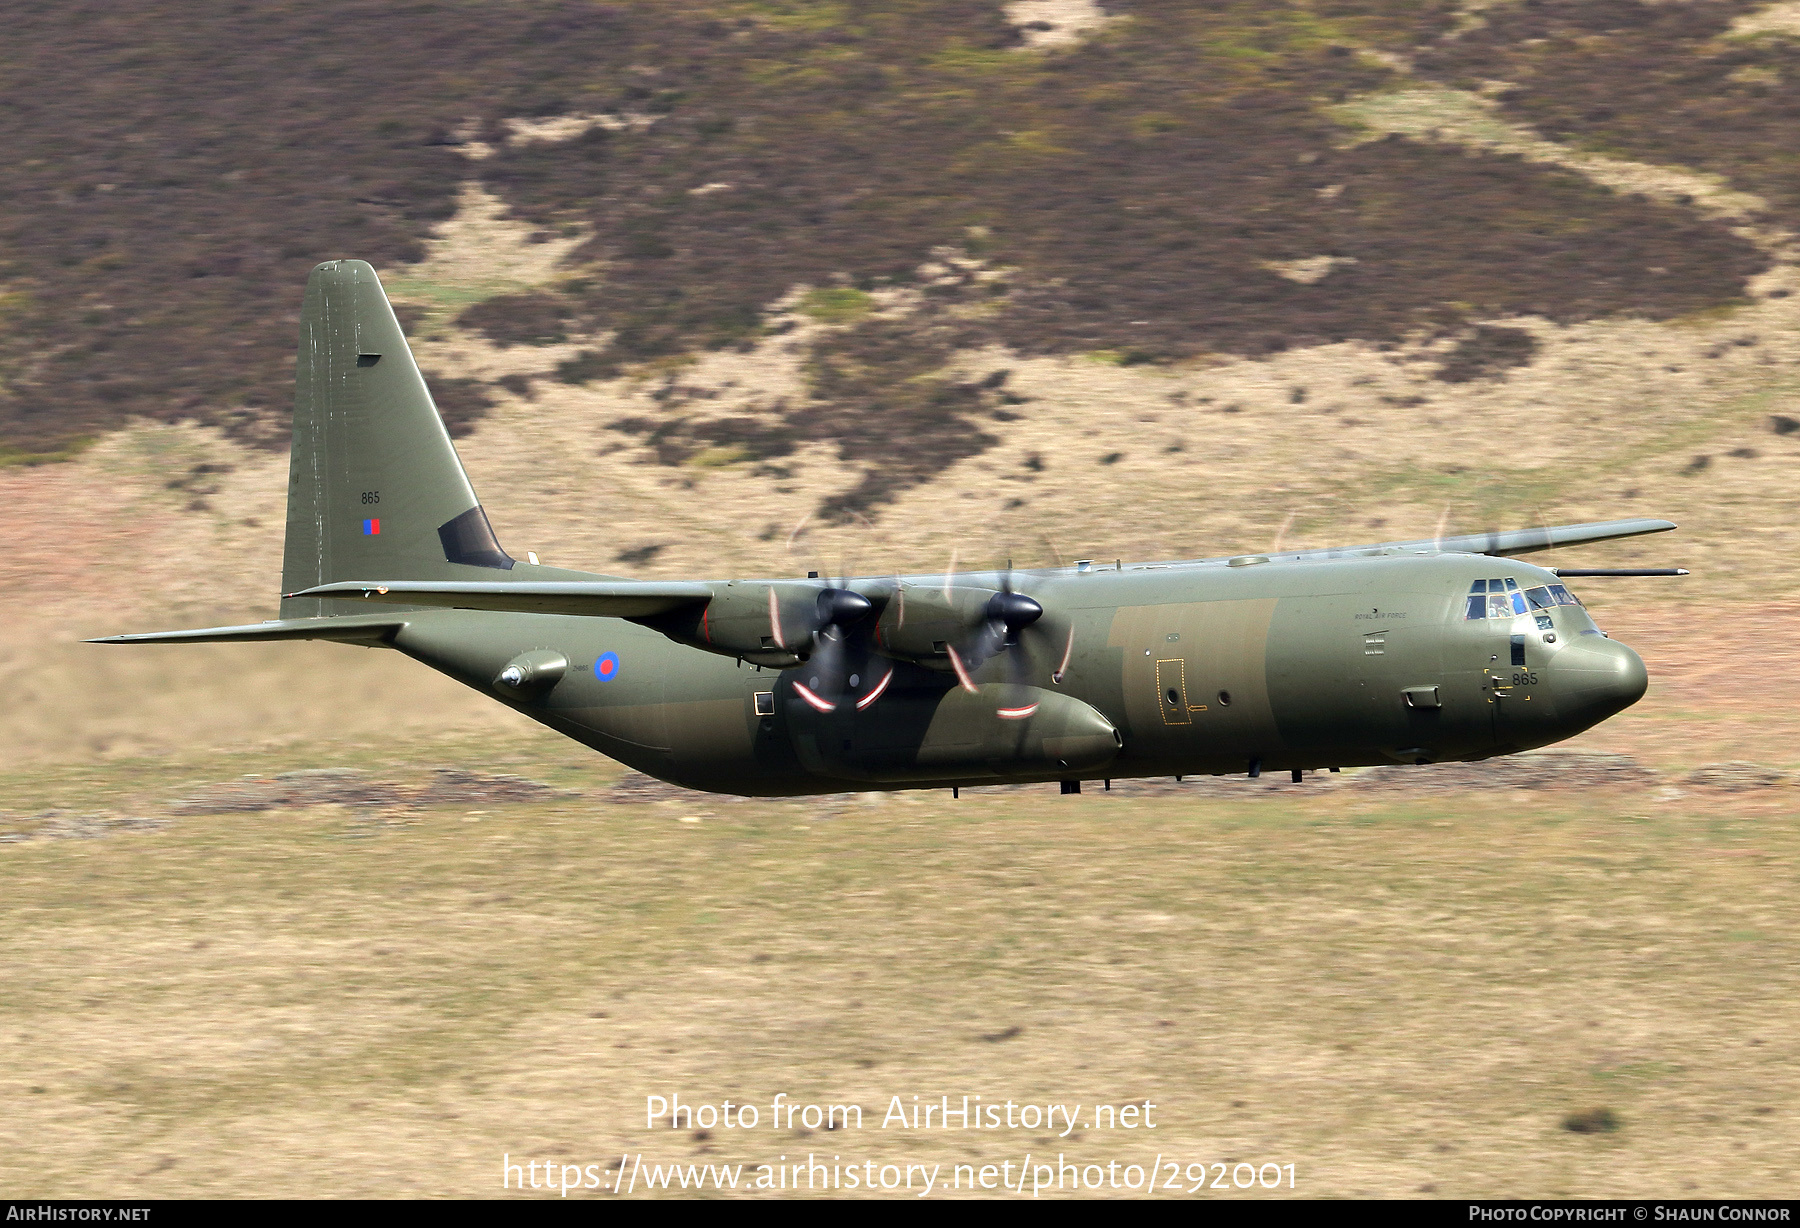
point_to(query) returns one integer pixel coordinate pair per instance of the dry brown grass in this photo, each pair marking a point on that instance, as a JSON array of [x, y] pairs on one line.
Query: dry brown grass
[[1398, 996]]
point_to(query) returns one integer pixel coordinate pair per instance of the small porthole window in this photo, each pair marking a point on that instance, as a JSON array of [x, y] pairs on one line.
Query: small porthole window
[[1174, 697], [1224, 699], [765, 703]]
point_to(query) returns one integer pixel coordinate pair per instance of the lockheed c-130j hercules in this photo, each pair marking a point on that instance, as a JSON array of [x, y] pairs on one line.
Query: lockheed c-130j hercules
[[1402, 652]]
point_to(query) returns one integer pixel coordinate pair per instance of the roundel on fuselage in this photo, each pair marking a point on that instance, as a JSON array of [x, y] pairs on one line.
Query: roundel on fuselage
[[607, 667]]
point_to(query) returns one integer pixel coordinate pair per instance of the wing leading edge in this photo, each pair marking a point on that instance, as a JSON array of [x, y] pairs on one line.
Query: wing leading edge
[[591, 598], [1507, 542], [343, 628]]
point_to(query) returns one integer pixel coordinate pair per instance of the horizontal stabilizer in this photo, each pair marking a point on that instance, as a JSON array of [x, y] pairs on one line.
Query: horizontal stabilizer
[[348, 629], [591, 598]]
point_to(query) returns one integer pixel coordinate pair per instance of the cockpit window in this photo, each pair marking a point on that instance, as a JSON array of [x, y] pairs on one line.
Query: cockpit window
[[1502, 598], [1563, 595]]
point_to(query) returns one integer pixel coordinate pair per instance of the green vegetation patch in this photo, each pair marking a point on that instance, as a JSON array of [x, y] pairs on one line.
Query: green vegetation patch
[[69, 450], [836, 304]]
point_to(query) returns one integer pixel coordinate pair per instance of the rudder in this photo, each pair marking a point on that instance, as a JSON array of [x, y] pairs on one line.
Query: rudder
[[375, 488]]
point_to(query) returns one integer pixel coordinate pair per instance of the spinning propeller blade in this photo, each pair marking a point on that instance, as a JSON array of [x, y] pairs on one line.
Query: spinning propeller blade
[[1007, 614], [1068, 651], [836, 610]]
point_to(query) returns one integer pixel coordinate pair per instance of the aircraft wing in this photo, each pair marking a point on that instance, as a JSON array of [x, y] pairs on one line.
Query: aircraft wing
[[349, 628], [647, 598], [1503, 542], [593, 598], [1529, 541]]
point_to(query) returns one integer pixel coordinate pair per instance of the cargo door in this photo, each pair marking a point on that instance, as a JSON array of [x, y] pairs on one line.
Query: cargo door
[[1172, 692]]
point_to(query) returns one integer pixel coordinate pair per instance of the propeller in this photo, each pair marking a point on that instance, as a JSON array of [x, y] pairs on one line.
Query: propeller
[[1007, 613], [830, 672], [846, 653]]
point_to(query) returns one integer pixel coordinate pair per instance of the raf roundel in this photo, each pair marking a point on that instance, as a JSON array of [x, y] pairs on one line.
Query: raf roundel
[[607, 667]]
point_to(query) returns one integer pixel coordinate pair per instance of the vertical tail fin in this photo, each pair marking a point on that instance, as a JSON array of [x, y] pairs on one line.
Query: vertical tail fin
[[375, 489]]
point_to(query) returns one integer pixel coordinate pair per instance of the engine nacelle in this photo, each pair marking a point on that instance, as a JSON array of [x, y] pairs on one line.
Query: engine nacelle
[[769, 624], [922, 622], [995, 732]]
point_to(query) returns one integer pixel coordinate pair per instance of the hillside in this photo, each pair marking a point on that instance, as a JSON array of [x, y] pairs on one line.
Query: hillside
[[762, 287]]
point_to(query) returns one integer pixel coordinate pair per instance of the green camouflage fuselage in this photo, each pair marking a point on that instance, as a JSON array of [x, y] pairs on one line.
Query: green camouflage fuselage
[[1200, 669]]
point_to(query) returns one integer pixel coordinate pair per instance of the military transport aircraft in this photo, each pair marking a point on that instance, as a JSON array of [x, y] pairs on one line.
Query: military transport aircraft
[[1403, 652]]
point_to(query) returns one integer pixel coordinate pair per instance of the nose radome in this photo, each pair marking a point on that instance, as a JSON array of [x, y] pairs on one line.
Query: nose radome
[[1595, 678]]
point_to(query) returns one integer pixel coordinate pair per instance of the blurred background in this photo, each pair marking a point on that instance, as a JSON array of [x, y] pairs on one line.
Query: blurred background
[[756, 287]]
